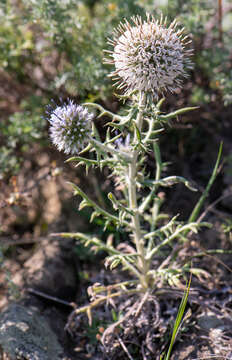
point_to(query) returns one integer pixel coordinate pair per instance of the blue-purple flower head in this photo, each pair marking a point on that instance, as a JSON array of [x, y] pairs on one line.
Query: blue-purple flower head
[[70, 127]]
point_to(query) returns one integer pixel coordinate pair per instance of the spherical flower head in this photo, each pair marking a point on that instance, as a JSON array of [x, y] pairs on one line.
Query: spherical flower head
[[149, 56], [70, 127]]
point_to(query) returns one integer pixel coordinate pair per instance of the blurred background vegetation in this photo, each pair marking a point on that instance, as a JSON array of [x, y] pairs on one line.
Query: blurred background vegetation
[[54, 48]]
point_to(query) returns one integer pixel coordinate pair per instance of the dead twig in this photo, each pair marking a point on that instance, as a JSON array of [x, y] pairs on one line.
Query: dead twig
[[52, 298], [144, 299], [111, 328], [211, 206], [6, 243], [124, 347]]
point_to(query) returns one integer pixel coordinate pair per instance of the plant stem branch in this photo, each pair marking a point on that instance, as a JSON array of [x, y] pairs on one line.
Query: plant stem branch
[[111, 150], [132, 192], [159, 167], [175, 234]]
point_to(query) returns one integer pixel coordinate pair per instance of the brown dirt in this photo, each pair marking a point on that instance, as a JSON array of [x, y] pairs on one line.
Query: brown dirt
[[43, 203]]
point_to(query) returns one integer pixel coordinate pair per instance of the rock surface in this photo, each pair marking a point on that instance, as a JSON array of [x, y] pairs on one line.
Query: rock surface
[[26, 335], [33, 327], [50, 269]]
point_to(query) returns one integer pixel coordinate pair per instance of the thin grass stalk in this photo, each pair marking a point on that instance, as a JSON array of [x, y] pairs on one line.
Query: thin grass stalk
[[201, 201], [178, 320]]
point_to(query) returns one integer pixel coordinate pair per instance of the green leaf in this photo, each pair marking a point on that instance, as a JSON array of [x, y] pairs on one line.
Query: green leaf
[[114, 201], [104, 112], [176, 113], [83, 204], [200, 202], [172, 234], [116, 126], [160, 103], [79, 158], [95, 132], [115, 263], [88, 202], [94, 215], [178, 320], [109, 141], [138, 134], [87, 148], [169, 181]]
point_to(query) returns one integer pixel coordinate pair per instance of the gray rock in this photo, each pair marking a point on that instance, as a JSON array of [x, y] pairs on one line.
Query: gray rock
[[25, 335], [50, 269], [209, 322]]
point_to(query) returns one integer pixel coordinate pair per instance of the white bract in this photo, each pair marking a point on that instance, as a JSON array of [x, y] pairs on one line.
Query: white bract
[[70, 127], [149, 57]]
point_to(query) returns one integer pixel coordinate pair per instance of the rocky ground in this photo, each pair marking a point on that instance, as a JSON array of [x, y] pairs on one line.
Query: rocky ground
[[44, 278]]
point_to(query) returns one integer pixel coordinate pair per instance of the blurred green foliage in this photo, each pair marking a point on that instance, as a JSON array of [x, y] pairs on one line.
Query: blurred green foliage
[[54, 48], [19, 131]]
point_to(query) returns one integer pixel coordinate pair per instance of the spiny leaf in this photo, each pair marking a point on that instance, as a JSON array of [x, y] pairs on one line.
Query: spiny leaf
[[107, 136], [83, 161], [138, 134], [116, 126], [176, 113], [95, 132], [117, 205], [181, 229], [103, 111], [171, 180], [114, 264], [159, 104], [94, 215], [83, 204], [88, 202], [87, 148], [109, 141]]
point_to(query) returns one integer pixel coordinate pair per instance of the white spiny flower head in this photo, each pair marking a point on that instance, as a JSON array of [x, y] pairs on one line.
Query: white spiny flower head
[[70, 126], [149, 56]]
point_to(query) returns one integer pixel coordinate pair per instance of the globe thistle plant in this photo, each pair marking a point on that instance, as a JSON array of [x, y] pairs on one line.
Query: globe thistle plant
[[150, 59], [70, 126], [148, 56]]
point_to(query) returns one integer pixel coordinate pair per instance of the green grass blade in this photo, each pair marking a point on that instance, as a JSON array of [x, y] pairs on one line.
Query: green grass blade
[[178, 321], [201, 201]]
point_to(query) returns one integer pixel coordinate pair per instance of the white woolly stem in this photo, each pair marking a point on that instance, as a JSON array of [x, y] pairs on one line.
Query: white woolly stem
[[132, 192]]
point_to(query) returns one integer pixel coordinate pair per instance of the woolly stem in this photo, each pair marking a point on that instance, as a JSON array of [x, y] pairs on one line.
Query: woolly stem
[[132, 193]]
